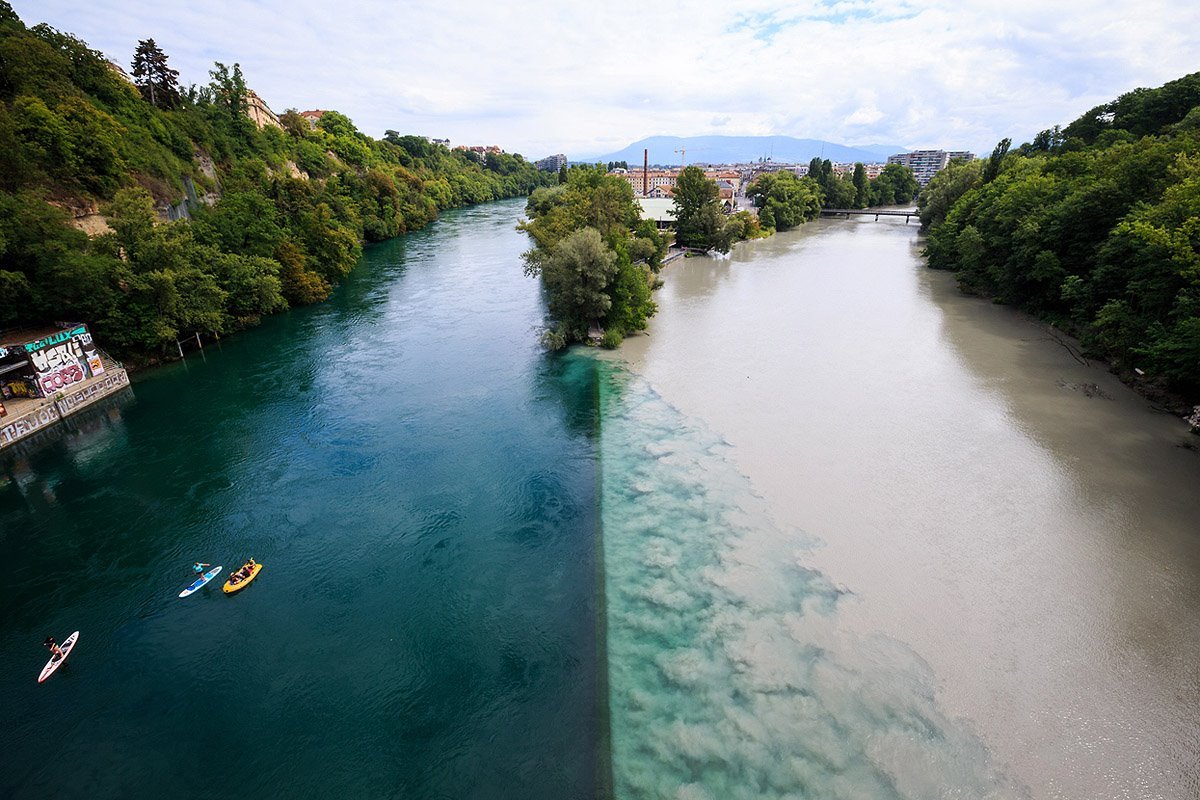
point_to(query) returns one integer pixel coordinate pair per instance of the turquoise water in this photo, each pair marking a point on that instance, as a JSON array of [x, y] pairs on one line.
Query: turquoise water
[[419, 481]]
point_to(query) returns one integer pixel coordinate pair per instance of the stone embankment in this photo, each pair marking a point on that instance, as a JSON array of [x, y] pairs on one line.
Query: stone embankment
[[31, 417]]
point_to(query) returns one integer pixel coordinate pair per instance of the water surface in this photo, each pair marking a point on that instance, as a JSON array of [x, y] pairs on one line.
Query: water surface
[[419, 481], [1013, 536], [861, 537]]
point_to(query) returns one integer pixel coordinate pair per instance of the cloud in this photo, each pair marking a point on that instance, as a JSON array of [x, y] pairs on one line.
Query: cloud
[[569, 78]]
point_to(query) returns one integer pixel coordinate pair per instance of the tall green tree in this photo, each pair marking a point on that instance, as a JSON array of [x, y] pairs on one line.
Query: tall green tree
[[158, 83], [698, 216], [862, 186], [227, 91], [577, 276], [996, 160]]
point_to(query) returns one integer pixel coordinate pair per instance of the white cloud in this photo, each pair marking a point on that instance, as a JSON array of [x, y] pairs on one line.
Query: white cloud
[[543, 77]]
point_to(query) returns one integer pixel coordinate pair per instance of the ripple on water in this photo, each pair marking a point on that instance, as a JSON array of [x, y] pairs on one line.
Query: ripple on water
[[729, 674]]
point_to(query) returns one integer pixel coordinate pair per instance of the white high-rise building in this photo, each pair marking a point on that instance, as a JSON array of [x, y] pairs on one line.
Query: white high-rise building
[[927, 163]]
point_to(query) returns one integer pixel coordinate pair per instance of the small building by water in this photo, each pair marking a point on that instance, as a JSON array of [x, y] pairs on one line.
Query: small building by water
[[659, 209], [48, 374]]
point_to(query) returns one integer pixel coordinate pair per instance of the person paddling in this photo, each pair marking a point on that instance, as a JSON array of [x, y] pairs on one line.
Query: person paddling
[[51, 645], [199, 567]]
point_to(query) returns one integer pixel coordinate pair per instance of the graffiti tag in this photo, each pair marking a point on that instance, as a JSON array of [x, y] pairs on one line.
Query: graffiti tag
[[61, 336], [52, 382], [23, 426], [52, 358], [93, 391]]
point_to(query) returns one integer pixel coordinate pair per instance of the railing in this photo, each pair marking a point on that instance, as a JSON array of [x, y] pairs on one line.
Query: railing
[[867, 212]]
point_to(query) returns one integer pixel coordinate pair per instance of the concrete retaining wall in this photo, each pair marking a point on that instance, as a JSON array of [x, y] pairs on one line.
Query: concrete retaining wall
[[43, 417]]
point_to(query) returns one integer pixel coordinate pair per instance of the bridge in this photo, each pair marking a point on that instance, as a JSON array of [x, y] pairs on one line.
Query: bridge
[[868, 212]]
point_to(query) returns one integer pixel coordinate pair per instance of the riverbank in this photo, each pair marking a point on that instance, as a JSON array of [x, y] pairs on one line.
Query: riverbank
[[1156, 391]]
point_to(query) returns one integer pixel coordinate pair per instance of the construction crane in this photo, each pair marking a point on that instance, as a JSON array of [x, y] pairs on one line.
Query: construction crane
[[683, 154]]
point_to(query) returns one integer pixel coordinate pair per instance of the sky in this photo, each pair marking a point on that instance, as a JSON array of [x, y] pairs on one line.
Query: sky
[[585, 79]]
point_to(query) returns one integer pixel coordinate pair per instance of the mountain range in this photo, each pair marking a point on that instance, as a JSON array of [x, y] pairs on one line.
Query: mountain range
[[741, 149]]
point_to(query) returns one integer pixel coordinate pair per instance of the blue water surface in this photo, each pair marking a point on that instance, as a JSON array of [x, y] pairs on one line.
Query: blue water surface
[[419, 481]]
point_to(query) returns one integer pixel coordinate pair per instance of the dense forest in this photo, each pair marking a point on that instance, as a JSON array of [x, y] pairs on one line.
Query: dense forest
[[1095, 227], [267, 217]]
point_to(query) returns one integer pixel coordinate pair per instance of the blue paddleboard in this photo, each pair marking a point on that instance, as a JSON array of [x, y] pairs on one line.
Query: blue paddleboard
[[203, 579]]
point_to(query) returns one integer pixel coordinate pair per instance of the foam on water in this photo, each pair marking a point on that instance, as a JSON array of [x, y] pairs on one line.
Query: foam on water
[[729, 676]]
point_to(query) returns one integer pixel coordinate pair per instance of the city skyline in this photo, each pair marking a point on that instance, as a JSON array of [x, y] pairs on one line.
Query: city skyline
[[552, 79]]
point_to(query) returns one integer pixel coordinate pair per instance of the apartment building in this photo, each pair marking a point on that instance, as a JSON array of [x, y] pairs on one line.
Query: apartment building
[[927, 163], [552, 163]]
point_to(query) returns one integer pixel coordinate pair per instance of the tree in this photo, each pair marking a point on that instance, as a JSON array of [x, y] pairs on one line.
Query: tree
[[228, 91], [131, 217], [297, 126], [577, 275], [995, 160], [697, 210], [862, 188], [945, 188], [815, 167], [158, 83], [894, 185], [784, 200]]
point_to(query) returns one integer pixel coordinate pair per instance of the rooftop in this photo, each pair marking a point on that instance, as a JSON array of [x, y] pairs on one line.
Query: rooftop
[[658, 209]]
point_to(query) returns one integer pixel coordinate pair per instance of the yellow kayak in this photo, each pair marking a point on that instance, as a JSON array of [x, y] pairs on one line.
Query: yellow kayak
[[230, 588]]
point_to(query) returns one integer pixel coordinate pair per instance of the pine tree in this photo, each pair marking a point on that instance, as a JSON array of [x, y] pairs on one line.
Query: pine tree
[[158, 82]]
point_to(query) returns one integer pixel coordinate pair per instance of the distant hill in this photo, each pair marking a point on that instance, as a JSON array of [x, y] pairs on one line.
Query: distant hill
[[734, 149]]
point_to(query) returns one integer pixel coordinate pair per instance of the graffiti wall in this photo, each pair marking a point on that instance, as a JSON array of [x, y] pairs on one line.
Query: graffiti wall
[[28, 424], [64, 359], [50, 413], [93, 392]]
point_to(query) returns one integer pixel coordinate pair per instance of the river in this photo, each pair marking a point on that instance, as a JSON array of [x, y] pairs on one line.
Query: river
[[829, 530], [418, 481], [957, 558]]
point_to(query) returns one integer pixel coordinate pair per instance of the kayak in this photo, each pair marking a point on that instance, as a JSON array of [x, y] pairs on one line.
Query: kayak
[[203, 579], [230, 588], [55, 663]]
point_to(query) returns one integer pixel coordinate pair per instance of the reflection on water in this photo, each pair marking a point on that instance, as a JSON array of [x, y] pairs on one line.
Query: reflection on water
[[730, 675], [81, 439]]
